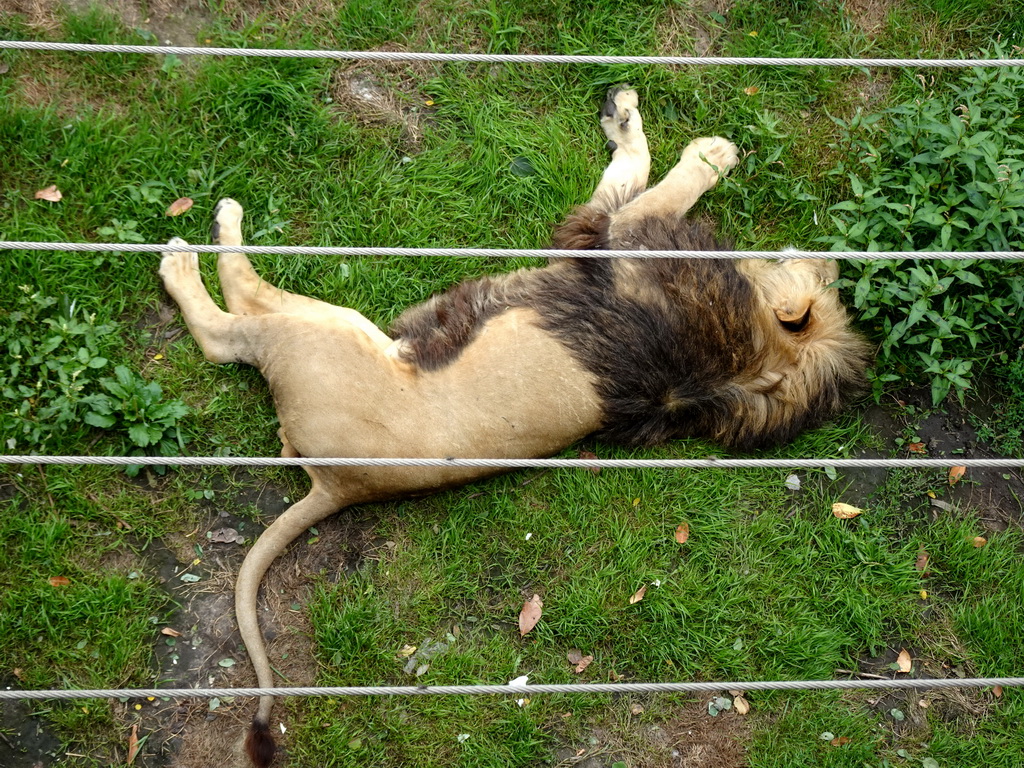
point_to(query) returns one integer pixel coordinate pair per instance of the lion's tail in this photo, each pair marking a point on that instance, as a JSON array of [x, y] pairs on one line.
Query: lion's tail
[[259, 744]]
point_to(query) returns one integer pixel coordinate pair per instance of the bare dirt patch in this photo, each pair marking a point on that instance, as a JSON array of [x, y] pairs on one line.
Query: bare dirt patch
[[209, 651], [385, 94], [171, 22], [690, 29], [686, 737], [869, 15]]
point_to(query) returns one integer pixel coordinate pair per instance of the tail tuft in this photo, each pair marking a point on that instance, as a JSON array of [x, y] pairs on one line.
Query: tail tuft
[[259, 744]]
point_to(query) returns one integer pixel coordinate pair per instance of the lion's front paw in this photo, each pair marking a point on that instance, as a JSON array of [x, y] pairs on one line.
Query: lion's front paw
[[227, 223], [714, 151], [620, 117]]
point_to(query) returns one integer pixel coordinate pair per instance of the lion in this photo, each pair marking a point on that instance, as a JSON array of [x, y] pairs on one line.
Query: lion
[[746, 353]]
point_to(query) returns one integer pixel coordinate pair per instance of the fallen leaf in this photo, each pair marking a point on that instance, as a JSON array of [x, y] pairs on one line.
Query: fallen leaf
[[530, 614], [929, 762], [20, 674], [583, 664], [955, 474], [406, 651], [751, 90], [997, 690], [636, 709], [752, 34], [923, 594], [979, 541], [845, 511], [589, 455], [50, 194], [923, 704], [839, 741], [903, 661], [638, 595], [921, 563], [170, 632], [225, 536], [741, 705], [133, 744], [59, 581], [683, 532], [179, 206], [4, 67], [636, 502], [916, 447], [575, 656], [943, 505]]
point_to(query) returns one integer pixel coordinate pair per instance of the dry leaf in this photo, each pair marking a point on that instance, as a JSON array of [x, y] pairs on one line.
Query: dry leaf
[[916, 447], [583, 664], [226, 536], [997, 690], [741, 705], [20, 674], [589, 455], [406, 651], [845, 511], [751, 90], [179, 206], [170, 632], [683, 533], [636, 709], [50, 194], [923, 704], [839, 741], [921, 563], [955, 474], [903, 661], [638, 595], [530, 614], [133, 744], [979, 541], [59, 581]]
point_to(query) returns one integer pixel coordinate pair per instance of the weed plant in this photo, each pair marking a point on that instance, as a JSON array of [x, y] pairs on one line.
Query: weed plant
[[941, 173]]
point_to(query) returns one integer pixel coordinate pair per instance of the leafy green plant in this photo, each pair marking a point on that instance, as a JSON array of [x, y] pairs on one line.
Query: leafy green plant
[[943, 172], [136, 407], [52, 357], [124, 231], [52, 384]]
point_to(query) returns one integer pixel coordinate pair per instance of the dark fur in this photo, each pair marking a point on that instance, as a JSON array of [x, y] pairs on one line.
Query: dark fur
[[259, 745], [666, 339]]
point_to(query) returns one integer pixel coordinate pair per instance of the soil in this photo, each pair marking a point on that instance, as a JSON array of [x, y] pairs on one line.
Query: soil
[[688, 738]]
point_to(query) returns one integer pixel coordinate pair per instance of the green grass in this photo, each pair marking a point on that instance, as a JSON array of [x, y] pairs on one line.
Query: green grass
[[769, 585]]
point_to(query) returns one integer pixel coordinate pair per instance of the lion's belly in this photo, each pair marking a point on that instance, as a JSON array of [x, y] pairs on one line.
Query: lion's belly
[[514, 392]]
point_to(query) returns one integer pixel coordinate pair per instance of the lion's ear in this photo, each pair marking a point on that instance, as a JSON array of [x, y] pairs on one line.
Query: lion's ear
[[794, 316]]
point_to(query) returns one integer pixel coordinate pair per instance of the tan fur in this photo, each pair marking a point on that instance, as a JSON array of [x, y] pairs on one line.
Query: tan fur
[[343, 388]]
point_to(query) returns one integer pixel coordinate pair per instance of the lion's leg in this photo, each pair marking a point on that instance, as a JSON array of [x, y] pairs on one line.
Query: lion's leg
[[626, 174], [246, 293], [217, 332], [702, 163]]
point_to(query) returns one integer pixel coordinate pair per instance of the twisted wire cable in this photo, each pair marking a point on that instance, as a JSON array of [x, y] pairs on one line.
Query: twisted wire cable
[[503, 58]]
